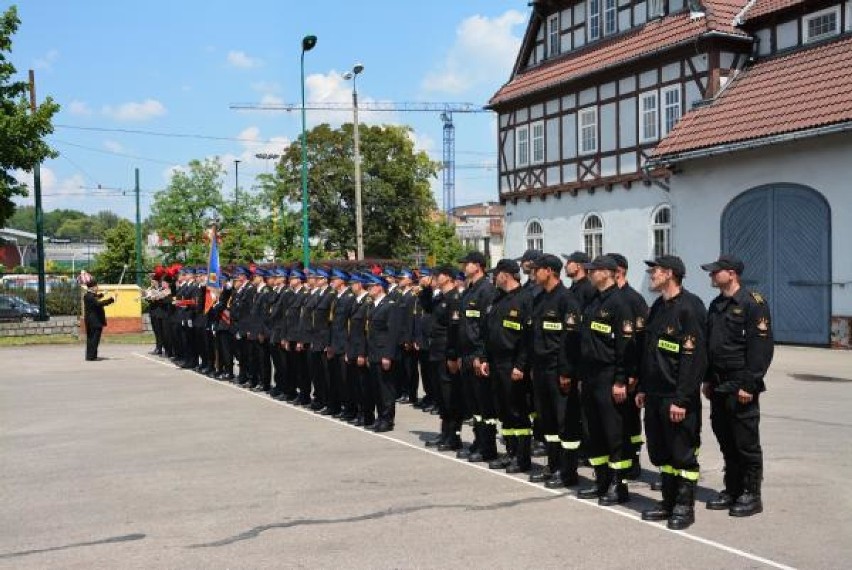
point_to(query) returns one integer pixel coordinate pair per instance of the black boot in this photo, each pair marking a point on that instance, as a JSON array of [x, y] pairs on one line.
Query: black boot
[[727, 496], [683, 514], [487, 444], [522, 462], [453, 441], [539, 449], [616, 492], [505, 460], [567, 470], [474, 447], [600, 486], [441, 438], [635, 470], [749, 503], [664, 508]]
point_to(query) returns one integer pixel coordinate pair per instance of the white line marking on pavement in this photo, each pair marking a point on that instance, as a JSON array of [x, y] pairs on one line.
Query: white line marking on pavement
[[484, 468]]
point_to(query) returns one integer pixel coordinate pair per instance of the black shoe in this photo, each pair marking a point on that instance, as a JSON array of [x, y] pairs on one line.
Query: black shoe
[[328, 412], [435, 442], [516, 466], [463, 453], [682, 518], [480, 457], [418, 404], [370, 426], [291, 398], [541, 476], [746, 505], [539, 449], [723, 501], [561, 480], [656, 485], [316, 406], [615, 494], [660, 512], [450, 445], [338, 415], [435, 411], [383, 427], [500, 463], [403, 400]]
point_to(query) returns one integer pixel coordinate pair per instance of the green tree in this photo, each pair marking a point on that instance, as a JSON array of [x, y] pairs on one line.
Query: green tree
[[120, 253], [181, 212], [396, 194], [22, 133], [441, 242]]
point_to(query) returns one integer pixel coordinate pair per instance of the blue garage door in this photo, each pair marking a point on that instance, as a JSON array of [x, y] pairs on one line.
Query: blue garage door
[[782, 232]]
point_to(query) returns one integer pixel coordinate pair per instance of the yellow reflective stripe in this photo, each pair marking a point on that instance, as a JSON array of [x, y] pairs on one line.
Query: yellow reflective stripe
[[523, 431], [512, 325], [551, 438], [689, 475], [508, 432], [570, 445], [492, 422], [668, 470], [533, 415], [601, 327], [637, 439], [472, 313], [598, 461], [620, 465], [549, 326], [668, 346], [697, 451]]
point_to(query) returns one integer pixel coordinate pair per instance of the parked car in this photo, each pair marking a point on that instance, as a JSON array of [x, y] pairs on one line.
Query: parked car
[[14, 308]]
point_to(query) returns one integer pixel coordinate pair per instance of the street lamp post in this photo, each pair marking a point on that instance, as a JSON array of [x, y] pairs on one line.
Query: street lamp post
[[308, 43], [359, 221], [237, 182]]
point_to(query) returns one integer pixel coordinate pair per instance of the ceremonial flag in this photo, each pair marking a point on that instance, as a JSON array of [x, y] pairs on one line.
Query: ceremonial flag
[[214, 273]]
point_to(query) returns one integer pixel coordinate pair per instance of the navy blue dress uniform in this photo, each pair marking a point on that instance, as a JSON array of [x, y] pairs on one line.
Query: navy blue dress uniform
[[153, 296], [243, 299], [406, 306], [358, 372], [740, 347], [673, 364], [284, 386], [220, 317], [296, 316], [470, 348], [554, 326], [422, 332], [383, 353], [95, 318], [259, 363], [320, 337], [632, 418], [443, 305], [340, 401], [605, 349], [506, 348]]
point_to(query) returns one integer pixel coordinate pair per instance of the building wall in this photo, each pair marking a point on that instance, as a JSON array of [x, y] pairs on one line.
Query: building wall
[[701, 192]]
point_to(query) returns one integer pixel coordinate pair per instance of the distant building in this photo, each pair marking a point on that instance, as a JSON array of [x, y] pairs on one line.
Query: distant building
[[480, 227]]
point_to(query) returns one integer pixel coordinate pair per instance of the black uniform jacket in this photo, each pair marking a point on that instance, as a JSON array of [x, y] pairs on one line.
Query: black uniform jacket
[[474, 302], [356, 327], [506, 328], [382, 331], [94, 304], [443, 309], [340, 309], [554, 327], [606, 338]]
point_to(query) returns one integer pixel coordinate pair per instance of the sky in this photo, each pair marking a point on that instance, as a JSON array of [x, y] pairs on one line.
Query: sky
[[122, 71]]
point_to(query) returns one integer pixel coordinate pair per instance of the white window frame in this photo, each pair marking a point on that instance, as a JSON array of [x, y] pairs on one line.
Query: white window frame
[[661, 230], [806, 38], [534, 235], [582, 125], [666, 126], [593, 236], [610, 8], [653, 123], [522, 146], [553, 35], [593, 19], [537, 143]]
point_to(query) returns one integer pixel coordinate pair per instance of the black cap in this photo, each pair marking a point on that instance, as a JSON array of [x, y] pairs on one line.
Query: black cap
[[445, 269], [672, 262], [548, 260], [725, 262], [577, 257], [91, 284], [474, 257], [530, 255], [620, 260], [601, 262], [507, 266]]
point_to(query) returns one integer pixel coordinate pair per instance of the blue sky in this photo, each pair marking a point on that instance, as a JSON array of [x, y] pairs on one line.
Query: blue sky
[[175, 67]]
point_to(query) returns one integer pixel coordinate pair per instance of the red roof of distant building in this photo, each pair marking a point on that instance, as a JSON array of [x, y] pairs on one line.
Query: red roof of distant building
[[647, 39], [764, 7], [801, 90]]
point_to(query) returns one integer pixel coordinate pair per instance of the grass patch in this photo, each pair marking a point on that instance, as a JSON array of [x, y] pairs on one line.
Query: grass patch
[[32, 340]]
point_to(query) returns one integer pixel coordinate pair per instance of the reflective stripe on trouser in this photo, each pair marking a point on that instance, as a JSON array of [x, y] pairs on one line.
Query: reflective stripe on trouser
[[683, 473], [570, 445], [672, 444], [510, 398], [598, 461]]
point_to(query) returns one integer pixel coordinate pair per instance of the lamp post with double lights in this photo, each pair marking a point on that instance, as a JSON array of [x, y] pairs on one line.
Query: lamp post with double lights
[[308, 43], [359, 221]]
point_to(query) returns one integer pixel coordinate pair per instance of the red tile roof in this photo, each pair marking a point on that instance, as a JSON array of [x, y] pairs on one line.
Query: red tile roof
[[764, 7], [801, 90], [649, 38]]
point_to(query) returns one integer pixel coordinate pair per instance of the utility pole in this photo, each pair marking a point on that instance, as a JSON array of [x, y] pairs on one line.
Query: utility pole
[[138, 235], [39, 218], [237, 211]]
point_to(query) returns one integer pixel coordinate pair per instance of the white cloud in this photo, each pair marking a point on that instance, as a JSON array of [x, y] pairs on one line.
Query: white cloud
[[47, 60], [113, 146], [483, 53], [332, 88], [422, 142], [79, 108], [242, 60], [132, 111], [57, 192]]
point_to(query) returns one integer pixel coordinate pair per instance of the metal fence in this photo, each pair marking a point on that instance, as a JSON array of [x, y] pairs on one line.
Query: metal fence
[[63, 293]]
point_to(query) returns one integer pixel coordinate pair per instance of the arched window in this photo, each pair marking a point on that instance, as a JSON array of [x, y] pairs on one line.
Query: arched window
[[535, 236], [593, 235], [661, 231]]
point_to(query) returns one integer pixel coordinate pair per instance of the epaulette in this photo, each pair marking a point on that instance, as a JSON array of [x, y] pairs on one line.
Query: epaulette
[[757, 297]]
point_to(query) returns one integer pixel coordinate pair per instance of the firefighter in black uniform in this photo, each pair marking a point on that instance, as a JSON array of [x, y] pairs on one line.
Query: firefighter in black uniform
[[740, 347], [422, 333], [220, 324], [358, 375], [260, 365], [406, 305], [633, 421], [554, 353], [441, 300], [340, 402], [383, 353], [539, 449], [606, 336], [673, 363], [276, 327], [505, 362], [469, 351], [296, 350], [240, 320]]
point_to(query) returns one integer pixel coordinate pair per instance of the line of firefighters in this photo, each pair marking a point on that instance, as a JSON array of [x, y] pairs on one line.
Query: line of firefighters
[[562, 371]]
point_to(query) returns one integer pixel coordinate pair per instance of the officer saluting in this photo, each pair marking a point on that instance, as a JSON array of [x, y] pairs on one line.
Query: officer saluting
[[740, 346]]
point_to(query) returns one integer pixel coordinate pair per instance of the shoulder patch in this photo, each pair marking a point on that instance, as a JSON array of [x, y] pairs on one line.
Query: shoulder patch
[[757, 297]]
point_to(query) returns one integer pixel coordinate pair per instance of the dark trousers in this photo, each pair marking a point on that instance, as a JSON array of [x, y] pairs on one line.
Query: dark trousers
[[673, 446], [225, 351], [425, 367], [279, 363], [737, 429], [157, 329], [242, 346], [299, 368], [633, 423], [410, 374], [337, 390], [262, 364], [468, 386], [318, 366], [558, 412], [383, 388], [362, 389], [190, 346], [605, 434], [510, 399], [176, 334], [93, 339], [451, 404]]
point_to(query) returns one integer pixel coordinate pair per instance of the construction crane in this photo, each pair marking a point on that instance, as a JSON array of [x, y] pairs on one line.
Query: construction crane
[[445, 109]]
